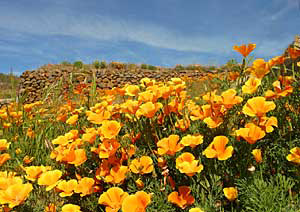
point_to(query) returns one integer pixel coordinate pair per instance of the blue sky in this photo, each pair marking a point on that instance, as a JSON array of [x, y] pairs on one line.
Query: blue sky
[[158, 32]]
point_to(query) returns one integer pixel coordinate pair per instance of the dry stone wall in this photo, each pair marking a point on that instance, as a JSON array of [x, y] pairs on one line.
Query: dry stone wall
[[34, 83]]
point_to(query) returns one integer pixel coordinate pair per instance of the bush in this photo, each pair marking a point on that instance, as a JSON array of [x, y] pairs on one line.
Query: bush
[[144, 66], [97, 64], [65, 62], [78, 64]]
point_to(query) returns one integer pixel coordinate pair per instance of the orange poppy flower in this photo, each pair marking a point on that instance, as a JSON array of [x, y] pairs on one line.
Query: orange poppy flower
[[213, 122], [251, 133], [70, 208], [50, 179], [202, 112], [67, 187], [183, 124], [103, 170], [268, 123], [3, 158], [6, 125], [117, 174], [192, 140], [34, 172], [183, 198], [30, 133], [27, 159], [15, 194], [62, 117], [229, 98], [132, 90], [245, 50], [294, 156], [145, 82], [217, 149], [294, 53], [143, 165], [279, 91], [79, 157], [212, 98], [276, 61], [233, 75], [50, 208], [257, 155], [187, 164], [130, 106], [258, 106], [230, 193], [148, 109], [72, 120], [98, 118], [166, 91], [269, 94], [90, 135], [112, 199], [147, 96], [4, 145], [139, 183], [61, 140], [251, 85], [7, 179], [161, 162], [108, 148], [137, 202], [85, 186], [259, 68], [110, 129], [169, 145]]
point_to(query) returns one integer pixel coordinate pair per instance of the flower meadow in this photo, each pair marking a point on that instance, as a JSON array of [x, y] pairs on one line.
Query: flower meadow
[[225, 142]]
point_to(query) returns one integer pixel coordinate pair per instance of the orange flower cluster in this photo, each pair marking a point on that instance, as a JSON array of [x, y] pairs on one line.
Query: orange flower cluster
[[115, 198], [282, 88], [257, 107], [68, 149], [12, 190], [4, 145], [213, 112]]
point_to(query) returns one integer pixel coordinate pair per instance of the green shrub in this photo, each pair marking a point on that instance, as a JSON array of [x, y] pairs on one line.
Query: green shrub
[[78, 64], [65, 62], [151, 67], [268, 195], [144, 66]]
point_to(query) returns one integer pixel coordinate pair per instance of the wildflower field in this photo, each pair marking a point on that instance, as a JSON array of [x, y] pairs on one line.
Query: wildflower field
[[225, 142]]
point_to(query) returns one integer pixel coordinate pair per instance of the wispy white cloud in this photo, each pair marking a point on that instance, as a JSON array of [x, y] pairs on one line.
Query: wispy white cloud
[[60, 21], [285, 7], [106, 28]]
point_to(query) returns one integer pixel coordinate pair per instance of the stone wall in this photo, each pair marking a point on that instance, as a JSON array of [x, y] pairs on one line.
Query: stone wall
[[33, 83]]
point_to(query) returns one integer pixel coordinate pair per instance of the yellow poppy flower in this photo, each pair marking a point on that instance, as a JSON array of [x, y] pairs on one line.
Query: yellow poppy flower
[[187, 164], [112, 198], [137, 202], [258, 106], [217, 149], [143, 165], [50, 179], [230, 193]]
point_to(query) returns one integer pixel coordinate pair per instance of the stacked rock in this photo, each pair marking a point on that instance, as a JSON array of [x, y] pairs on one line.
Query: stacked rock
[[33, 83]]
